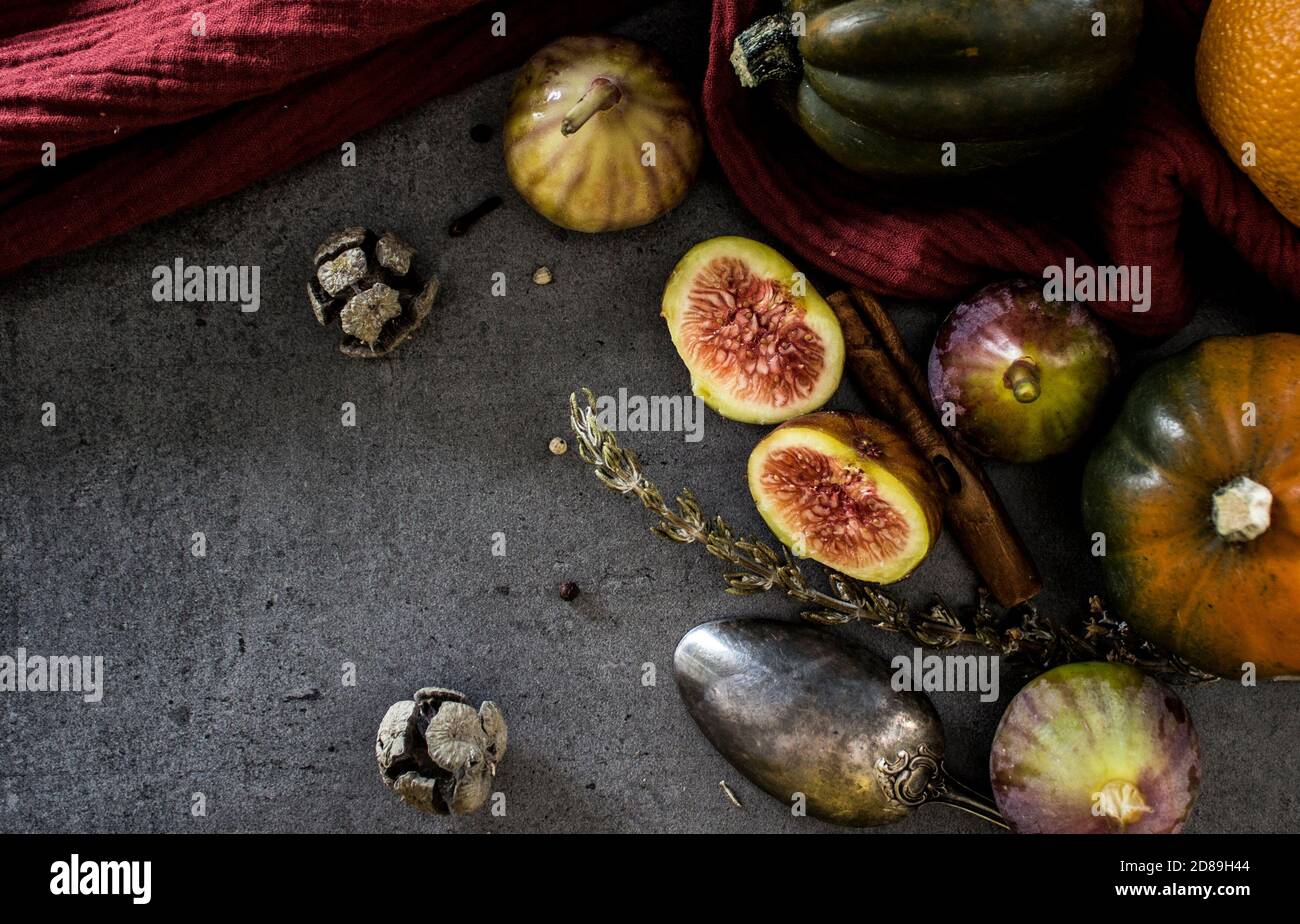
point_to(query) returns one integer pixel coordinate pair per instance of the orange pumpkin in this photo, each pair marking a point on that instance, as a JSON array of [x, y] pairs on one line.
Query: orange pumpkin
[[1196, 490]]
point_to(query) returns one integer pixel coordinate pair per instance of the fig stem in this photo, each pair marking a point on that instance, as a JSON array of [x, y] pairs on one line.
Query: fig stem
[[1123, 802], [1023, 380], [601, 95]]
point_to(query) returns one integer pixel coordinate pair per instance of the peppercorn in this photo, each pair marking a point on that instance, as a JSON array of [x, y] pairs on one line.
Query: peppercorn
[[568, 590], [558, 446]]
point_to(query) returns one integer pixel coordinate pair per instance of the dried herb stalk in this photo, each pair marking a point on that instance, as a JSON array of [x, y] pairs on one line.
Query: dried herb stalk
[[1025, 639]]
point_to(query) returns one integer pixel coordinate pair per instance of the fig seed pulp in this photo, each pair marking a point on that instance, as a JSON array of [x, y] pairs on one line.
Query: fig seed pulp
[[736, 319], [761, 345], [846, 491], [838, 507]]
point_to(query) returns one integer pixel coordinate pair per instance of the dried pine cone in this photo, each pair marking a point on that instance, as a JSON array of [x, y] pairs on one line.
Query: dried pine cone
[[438, 754], [366, 281]]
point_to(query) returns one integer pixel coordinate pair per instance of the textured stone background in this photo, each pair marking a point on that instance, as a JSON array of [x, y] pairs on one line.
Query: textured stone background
[[371, 545]]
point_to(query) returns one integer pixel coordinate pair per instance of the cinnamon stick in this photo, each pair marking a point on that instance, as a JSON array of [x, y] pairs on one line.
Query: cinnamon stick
[[882, 325], [892, 385]]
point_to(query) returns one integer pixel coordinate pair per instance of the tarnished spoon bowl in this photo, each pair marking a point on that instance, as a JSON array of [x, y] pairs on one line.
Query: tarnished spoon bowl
[[800, 711]]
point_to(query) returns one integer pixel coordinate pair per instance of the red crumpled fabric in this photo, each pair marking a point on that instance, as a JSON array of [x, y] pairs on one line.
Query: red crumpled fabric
[[1156, 174], [148, 117]]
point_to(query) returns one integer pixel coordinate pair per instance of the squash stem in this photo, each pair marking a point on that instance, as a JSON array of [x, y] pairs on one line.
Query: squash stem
[[767, 50], [601, 95], [1242, 510], [1023, 380]]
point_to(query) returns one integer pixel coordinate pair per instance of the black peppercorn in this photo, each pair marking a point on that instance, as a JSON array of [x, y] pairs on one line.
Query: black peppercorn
[[568, 590]]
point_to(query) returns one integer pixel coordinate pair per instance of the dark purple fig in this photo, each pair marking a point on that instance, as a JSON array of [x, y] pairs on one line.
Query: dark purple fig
[[1095, 748], [800, 711], [1020, 377]]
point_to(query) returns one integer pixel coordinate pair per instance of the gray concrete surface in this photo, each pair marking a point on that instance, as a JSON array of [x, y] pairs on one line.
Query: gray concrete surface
[[372, 545]]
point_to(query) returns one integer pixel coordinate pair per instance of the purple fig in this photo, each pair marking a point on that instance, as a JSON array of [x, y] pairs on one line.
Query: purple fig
[[1095, 748], [1020, 377]]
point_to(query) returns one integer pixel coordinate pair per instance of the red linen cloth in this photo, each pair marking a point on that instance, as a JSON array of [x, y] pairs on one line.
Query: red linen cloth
[[1138, 188], [149, 118], [177, 119]]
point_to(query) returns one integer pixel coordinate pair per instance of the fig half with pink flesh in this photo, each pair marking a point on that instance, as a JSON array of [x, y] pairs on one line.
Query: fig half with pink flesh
[[1018, 376], [761, 345], [846, 491], [1095, 748]]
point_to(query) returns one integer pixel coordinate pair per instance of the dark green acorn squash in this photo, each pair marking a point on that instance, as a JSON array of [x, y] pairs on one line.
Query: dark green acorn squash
[[883, 85], [1196, 490]]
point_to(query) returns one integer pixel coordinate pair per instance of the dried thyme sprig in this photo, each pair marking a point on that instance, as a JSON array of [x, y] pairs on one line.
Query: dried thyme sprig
[[1024, 638]]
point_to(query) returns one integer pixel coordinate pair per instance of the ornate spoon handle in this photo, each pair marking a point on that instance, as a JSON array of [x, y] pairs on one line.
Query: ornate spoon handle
[[912, 780]]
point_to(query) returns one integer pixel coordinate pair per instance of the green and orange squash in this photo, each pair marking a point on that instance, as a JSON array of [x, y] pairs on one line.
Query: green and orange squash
[[882, 85], [1196, 493]]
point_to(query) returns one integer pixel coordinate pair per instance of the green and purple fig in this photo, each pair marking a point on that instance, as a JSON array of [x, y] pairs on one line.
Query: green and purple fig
[[1019, 377], [1095, 748], [599, 135]]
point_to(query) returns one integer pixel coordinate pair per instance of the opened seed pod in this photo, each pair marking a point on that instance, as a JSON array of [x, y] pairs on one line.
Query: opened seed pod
[[367, 282], [800, 711], [438, 754]]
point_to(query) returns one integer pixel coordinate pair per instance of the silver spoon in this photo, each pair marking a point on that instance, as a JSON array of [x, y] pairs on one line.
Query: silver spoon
[[802, 712]]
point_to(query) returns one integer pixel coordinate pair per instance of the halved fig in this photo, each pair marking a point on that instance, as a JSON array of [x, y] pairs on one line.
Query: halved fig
[[761, 345], [846, 491]]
